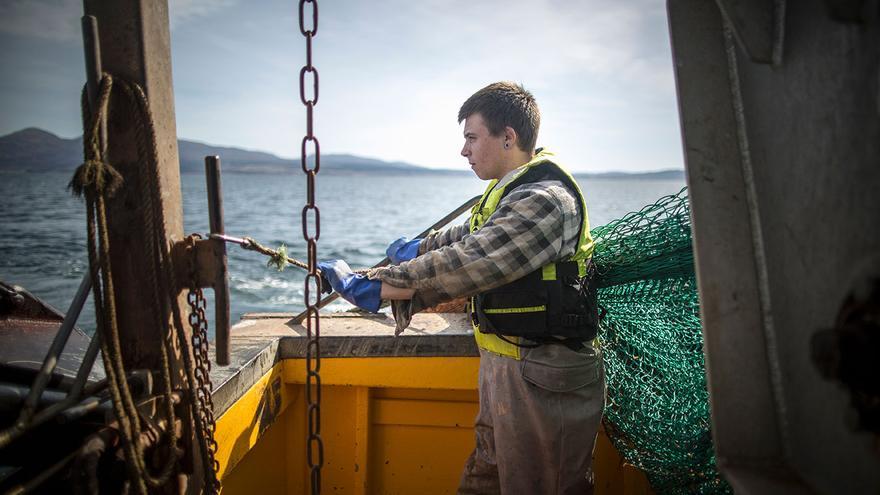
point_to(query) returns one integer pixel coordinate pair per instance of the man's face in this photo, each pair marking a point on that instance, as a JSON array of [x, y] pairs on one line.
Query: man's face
[[483, 151]]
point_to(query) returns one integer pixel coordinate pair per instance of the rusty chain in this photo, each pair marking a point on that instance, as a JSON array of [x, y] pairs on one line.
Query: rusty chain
[[315, 446], [203, 386]]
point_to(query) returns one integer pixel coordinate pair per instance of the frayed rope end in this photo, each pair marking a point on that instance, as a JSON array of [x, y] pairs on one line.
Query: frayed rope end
[[279, 259], [101, 177]]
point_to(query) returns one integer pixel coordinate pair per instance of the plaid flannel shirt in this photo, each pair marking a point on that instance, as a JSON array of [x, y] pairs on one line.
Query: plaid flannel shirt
[[535, 224]]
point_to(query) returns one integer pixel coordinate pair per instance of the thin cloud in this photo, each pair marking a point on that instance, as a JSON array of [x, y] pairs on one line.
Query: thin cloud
[[56, 20], [183, 11], [598, 68], [393, 73], [552, 39], [59, 20]]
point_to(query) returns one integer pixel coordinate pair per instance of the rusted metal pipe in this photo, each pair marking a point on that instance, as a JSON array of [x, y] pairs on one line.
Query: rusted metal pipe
[[85, 368], [94, 71], [86, 458], [29, 406], [221, 281]]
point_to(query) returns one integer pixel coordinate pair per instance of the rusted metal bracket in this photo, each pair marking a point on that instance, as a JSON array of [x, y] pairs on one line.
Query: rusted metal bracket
[[208, 256]]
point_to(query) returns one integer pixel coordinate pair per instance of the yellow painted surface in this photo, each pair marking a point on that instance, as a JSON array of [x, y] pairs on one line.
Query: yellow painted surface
[[402, 372], [389, 426], [239, 428], [264, 468]]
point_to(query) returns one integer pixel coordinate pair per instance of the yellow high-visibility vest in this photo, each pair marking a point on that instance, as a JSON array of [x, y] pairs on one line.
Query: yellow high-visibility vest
[[481, 213]]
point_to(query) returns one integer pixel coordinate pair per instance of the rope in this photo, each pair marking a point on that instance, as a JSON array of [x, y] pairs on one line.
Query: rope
[[277, 258], [97, 180], [166, 286]]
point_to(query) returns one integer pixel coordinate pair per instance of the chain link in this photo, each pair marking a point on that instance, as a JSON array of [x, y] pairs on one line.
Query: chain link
[[315, 446], [203, 386]]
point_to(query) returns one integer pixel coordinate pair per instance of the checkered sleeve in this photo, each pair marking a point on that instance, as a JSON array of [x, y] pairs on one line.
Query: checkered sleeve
[[534, 225], [436, 240]]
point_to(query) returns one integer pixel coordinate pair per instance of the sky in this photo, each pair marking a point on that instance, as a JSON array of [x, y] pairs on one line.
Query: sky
[[393, 75]]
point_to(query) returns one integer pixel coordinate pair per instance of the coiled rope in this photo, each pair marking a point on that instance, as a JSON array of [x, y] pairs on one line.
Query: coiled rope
[[98, 181]]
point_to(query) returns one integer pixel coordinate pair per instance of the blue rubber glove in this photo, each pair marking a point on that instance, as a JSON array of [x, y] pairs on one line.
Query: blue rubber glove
[[353, 287], [403, 250]]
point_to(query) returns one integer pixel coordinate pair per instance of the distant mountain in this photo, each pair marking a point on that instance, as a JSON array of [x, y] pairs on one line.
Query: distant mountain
[[37, 150], [192, 159], [672, 174]]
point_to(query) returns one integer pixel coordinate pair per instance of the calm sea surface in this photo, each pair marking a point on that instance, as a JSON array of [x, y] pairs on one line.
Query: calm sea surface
[[43, 245]]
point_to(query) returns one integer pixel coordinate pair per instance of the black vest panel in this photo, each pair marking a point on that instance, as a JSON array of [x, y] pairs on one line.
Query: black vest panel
[[536, 309]]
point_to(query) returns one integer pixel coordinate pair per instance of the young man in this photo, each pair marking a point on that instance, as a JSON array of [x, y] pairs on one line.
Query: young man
[[524, 260]]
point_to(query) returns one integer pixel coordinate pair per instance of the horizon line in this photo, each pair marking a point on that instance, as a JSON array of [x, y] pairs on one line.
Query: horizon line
[[355, 155]]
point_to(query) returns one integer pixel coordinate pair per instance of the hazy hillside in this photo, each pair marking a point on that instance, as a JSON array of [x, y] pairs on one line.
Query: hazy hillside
[[37, 150], [659, 175]]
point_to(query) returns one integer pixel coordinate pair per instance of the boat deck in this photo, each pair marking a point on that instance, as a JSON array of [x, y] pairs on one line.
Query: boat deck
[[261, 340], [397, 413]]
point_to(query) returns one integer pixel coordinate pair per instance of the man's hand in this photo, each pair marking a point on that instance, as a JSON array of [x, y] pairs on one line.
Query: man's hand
[[354, 288], [403, 250]]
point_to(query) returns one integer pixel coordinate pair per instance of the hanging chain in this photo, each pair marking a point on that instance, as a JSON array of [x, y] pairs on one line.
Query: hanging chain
[[203, 386], [315, 446]]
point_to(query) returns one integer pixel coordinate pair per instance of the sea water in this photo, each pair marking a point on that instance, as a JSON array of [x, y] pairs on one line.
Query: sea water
[[43, 229]]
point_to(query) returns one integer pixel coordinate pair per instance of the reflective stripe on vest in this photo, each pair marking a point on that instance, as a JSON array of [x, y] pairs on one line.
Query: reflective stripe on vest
[[484, 209]]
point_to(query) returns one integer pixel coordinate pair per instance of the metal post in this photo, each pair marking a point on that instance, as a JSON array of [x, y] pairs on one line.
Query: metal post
[[94, 71], [221, 281]]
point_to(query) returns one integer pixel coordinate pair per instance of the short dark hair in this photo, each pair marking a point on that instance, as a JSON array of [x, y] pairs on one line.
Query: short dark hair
[[503, 104]]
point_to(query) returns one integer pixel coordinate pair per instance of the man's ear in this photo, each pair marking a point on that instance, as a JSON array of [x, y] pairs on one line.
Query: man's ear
[[510, 136]]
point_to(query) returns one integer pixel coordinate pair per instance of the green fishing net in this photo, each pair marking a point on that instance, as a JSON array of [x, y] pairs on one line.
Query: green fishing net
[[658, 407]]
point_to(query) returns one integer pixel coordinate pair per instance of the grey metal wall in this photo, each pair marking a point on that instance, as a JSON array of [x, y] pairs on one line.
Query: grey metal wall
[[780, 115]]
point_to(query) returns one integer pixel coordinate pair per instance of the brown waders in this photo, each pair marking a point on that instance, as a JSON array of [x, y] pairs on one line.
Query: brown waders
[[537, 424]]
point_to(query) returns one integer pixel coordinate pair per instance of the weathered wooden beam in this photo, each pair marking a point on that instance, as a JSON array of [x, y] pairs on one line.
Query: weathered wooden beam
[[135, 45]]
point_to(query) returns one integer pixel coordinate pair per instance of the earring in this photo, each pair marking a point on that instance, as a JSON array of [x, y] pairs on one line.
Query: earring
[[506, 145]]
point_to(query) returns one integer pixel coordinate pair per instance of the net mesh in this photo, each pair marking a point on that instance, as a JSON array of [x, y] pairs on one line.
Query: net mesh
[[658, 407]]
